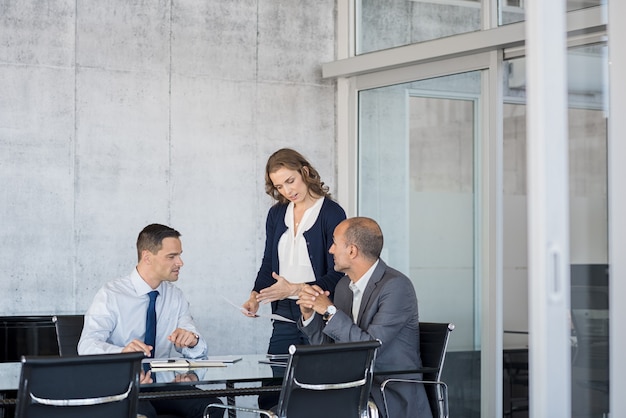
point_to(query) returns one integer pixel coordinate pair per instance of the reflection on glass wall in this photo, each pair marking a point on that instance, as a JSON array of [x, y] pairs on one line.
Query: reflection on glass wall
[[390, 23], [511, 11], [588, 234], [416, 177]]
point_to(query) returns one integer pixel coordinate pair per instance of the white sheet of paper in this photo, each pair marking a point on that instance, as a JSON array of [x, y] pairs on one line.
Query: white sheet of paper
[[178, 363], [271, 316]]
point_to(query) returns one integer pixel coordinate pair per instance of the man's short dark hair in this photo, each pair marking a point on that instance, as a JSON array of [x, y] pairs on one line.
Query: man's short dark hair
[[151, 238], [366, 234]]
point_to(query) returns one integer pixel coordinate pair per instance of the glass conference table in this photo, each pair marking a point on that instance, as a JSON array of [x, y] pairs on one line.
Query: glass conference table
[[240, 378]]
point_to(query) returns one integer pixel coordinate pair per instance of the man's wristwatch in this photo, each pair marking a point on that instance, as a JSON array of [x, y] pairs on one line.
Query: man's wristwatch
[[197, 339], [330, 311]]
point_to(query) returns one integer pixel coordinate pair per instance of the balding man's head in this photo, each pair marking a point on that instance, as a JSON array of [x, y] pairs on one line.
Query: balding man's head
[[366, 234]]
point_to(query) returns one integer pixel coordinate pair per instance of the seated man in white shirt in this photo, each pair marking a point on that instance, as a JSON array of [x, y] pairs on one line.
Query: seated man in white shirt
[[372, 301], [117, 320]]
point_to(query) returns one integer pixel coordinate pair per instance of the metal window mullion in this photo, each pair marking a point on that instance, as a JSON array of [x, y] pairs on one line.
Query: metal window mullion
[[491, 243]]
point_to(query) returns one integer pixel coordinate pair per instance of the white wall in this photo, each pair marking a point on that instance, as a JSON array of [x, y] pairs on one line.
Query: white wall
[[116, 114]]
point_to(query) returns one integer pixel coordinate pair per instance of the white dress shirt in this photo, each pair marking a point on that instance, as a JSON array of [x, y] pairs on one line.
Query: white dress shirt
[[117, 315], [357, 290], [295, 264]]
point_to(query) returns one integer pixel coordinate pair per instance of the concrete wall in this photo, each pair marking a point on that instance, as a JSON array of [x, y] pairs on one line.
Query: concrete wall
[[119, 113]]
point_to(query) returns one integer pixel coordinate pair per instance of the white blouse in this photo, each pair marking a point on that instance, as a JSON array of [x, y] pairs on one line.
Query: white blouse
[[293, 254]]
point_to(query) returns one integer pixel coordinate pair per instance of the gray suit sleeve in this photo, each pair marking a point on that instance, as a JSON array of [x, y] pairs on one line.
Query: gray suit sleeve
[[314, 330], [387, 312]]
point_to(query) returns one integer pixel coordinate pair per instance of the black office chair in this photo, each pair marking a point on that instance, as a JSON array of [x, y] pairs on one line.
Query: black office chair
[[433, 344], [517, 378], [95, 386], [330, 381], [590, 318], [590, 358], [68, 329]]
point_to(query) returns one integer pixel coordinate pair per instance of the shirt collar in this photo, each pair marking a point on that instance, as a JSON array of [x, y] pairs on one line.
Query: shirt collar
[[361, 284], [308, 218], [141, 287]]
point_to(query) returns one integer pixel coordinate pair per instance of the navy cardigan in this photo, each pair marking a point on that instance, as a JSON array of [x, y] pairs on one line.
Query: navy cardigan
[[318, 238]]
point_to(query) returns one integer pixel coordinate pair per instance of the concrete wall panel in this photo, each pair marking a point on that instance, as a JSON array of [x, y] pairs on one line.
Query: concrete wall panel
[[295, 38], [122, 165], [217, 39], [215, 171], [123, 35], [163, 117], [36, 32], [298, 116], [37, 175]]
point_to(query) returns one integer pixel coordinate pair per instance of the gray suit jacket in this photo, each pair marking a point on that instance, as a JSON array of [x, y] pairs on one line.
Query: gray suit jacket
[[388, 313]]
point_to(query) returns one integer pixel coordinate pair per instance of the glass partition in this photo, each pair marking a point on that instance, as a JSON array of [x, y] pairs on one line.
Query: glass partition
[[387, 24], [417, 149], [511, 11], [588, 234], [390, 23]]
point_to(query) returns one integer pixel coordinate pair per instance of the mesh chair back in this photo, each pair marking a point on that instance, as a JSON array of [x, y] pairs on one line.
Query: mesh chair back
[[590, 356], [433, 344], [331, 381], [590, 313], [95, 386], [68, 329]]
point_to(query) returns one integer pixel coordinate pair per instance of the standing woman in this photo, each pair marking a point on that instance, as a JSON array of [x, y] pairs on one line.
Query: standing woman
[[299, 232]]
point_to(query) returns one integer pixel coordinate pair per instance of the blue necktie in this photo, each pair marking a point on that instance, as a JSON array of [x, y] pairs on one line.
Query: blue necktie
[[151, 321]]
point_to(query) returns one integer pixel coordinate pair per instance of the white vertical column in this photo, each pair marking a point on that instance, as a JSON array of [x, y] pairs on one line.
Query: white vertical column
[[548, 213], [491, 232], [346, 161], [617, 205]]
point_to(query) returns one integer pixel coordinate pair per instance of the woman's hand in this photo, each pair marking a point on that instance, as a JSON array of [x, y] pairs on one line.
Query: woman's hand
[[251, 306], [280, 290]]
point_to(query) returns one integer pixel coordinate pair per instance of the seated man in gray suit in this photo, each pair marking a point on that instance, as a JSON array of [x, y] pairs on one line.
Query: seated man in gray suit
[[372, 301]]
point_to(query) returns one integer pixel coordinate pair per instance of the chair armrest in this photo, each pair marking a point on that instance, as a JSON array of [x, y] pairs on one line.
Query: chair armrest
[[268, 414], [82, 401], [333, 386], [372, 409], [441, 398]]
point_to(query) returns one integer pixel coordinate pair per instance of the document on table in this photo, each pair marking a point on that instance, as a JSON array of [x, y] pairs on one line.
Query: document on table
[[271, 316], [274, 363], [182, 363], [276, 360]]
